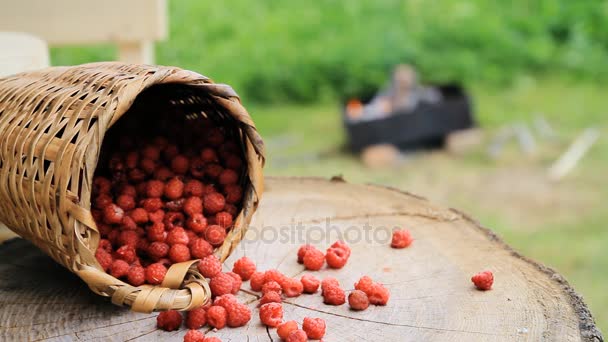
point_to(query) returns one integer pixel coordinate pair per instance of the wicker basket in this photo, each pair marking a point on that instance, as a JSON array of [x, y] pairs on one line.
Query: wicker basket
[[52, 125]]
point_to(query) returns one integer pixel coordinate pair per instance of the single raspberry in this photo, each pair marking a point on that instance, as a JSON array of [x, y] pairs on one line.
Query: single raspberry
[[234, 162], [196, 318], [136, 175], [310, 284], [155, 188], [358, 300], [209, 266], [302, 251], [126, 253], [200, 248], [214, 203], [171, 150], [157, 216], [177, 236], [297, 336], [180, 164], [179, 253], [197, 223], [174, 188], [224, 219], [271, 314], [136, 275], [224, 300], [208, 155], [328, 282], [378, 295], [402, 238], [314, 259], [128, 223], [215, 235], [483, 280], [125, 202], [217, 316], [228, 176], [238, 314], [101, 185], [333, 295], [221, 284], [157, 232], [365, 284], [292, 288], [335, 257], [128, 237], [194, 188], [148, 166], [314, 328], [105, 244], [151, 204], [342, 245], [104, 258], [163, 173], [119, 268], [102, 201], [155, 273], [194, 336], [274, 275], [234, 193], [270, 297], [169, 320], [285, 328], [193, 205], [272, 286], [113, 214], [244, 267], [237, 282], [139, 215], [231, 209], [256, 281], [173, 220]]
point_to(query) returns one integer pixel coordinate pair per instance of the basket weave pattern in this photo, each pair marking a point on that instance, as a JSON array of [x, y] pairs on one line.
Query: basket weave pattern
[[52, 125]]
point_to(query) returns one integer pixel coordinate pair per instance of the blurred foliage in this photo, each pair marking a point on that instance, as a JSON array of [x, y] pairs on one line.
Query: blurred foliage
[[276, 51]]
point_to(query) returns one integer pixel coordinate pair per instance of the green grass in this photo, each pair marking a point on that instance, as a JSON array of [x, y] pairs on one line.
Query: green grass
[[562, 225]]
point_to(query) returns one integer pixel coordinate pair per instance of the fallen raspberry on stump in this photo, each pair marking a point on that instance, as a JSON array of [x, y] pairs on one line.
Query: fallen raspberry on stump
[[194, 336], [313, 259], [270, 297], [292, 288], [155, 273], [216, 317], [342, 245], [221, 284], [335, 257], [256, 281], [401, 238], [333, 295], [285, 328], [271, 314], [314, 328], [483, 281], [364, 284], [244, 267], [238, 314], [378, 295], [329, 282], [358, 300], [272, 286], [196, 318], [169, 320], [274, 275], [210, 266], [302, 251], [297, 336], [310, 284]]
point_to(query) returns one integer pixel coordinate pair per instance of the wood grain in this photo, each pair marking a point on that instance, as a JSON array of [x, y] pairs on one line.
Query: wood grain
[[432, 298]]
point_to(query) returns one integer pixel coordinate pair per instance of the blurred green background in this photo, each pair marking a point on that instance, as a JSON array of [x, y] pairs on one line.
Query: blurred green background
[[292, 61]]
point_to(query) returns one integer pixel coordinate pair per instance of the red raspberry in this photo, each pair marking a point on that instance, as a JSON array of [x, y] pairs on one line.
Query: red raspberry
[[208, 155], [224, 300], [215, 235], [292, 288], [163, 173], [127, 223], [196, 318], [113, 214], [169, 320], [285, 328], [244, 267], [274, 275], [157, 232], [151, 204], [174, 189], [217, 316], [234, 193], [136, 275], [365, 284], [197, 223], [209, 266], [215, 137], [237, 282], [126, 253], [194, 336], [213, 203], [101, 185], [231, 209], [483, 280], [125, 202], [221, 284], [342, 245], [119, 268], [329, 281], [335, 257], [177, 236], [302, 251], [155, 188], [401, 238], [234, 162], [200, 248], [102, 201], [105, 245], [194, 188], [148, 166], [358, 300], [314, 328], [256, 281], [223, 219], [180, 164], [272, 286], [310, 284], [297, 336], [171, 150], [193, 205], [238, 314], [314, 259], [271, 314], [157, 216], [127, 189], [155, 273], [139, 215], [270, 297], [136, 175], [128, 237], [228, 176], [104, 258], [173, 220], [179, 253], [333, 295], [378, 295]]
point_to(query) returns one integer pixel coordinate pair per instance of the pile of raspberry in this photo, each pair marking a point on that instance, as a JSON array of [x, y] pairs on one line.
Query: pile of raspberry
[[157, 202]]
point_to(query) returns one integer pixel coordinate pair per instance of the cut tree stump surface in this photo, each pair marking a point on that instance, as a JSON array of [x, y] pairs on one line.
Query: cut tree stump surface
[[432, 297]]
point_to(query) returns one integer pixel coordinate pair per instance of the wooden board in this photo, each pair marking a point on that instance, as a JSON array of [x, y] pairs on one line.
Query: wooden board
[[432, 297]]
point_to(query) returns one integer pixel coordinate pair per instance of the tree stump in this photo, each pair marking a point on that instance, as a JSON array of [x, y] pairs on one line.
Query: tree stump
[[432, 297]]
